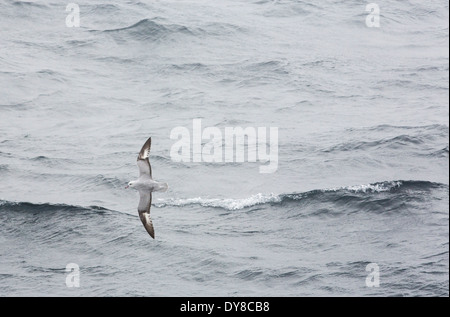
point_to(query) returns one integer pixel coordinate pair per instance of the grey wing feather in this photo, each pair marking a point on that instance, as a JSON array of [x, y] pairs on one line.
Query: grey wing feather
[[145, 168], [145, 202], [142, 161]]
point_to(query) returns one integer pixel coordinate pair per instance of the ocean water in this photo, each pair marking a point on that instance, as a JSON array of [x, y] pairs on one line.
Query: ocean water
[[363, 148]]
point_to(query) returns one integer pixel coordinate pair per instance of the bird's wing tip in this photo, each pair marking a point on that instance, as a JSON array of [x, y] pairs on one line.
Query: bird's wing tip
[[147, 222], [145, 151]]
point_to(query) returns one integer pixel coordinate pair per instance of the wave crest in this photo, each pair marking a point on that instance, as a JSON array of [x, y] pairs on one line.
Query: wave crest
[[149, 29], [318, 194], [358, 193], [46, 207], [227, 203]]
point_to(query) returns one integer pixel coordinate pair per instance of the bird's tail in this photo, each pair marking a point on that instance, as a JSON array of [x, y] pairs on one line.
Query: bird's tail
[[162, 187]]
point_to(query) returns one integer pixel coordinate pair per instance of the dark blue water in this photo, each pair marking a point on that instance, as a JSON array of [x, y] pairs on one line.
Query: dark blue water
[[363, 162]]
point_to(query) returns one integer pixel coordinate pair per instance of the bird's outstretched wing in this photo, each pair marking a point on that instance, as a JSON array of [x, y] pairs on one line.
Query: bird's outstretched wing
[[145, 202], [143, 163]]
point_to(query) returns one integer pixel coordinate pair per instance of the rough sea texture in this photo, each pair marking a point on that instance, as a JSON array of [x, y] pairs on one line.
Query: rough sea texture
[[363, 173]]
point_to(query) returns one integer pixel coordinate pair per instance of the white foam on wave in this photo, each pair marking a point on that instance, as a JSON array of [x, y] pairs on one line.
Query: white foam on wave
[[259, 199], [376, 187], [227, 203]]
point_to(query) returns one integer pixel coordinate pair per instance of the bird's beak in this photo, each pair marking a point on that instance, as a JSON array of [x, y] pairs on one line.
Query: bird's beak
[[126, 187]]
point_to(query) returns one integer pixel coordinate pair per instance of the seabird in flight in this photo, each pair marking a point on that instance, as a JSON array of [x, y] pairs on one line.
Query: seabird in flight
[[146, 185]]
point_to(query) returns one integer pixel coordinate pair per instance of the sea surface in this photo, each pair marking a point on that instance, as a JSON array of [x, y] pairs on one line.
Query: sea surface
[[363, 148]]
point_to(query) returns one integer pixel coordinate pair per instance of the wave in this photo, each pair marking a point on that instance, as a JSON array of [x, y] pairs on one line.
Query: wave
[[47, 207], [28, 4], [358, 194], [439, 153], [153, 29], [421, 139], [440, 128], [317, 195], [99, 180], [395, 142], [149, 29], [227, 203]]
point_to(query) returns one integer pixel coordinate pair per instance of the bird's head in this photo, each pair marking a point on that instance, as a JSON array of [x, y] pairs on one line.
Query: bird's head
[[130, 184]]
